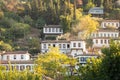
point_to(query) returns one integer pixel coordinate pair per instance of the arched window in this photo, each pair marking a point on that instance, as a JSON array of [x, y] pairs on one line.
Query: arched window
[[22, 67], [28, 67]]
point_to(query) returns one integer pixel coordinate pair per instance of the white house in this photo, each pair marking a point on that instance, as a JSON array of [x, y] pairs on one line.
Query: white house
[[73, 46], [110, 23], [82, 58], [102, 37], [19, 59], [52, 30]]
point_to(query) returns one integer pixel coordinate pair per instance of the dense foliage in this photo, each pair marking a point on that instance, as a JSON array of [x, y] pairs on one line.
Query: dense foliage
[[107, 67]]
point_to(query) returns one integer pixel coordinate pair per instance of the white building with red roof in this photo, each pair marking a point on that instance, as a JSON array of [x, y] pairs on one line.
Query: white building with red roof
[[19, 59], [103, 36], [110, 23]]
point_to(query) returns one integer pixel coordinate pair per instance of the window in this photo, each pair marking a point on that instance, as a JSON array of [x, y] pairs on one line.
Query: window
[[45, 29], [82, 59], [22, 57], [22, 67], [49, 29], [108, 35], [14, 56], [96, 41], [79, 44], [59, 45], [56, 29], [104, 35], [74, 44], [60, 30], [101, 34], [105, 41], [115, 35], [101, 41], [63, 45], [53, 30], [28, 67], [44, 46], [117, 24], [8, 57], [53, 45], [68, 46], [49, 45], [111, 35]]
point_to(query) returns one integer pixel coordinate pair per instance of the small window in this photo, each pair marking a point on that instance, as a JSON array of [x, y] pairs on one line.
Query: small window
[[49, 29], [105, 41], [53, 45], [68, 46], [44, 46], [8, 57], [63, 45], [74, 44], [96, 41], [115, 35], [14, 56], [104, 35], [59, 45], [22, 67], [108, 35], [45, 29], [49, 45], [22, 57], [101, 41], [79, 44]]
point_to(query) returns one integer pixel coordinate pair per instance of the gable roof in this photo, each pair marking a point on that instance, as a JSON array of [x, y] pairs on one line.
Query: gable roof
[[96, 10]]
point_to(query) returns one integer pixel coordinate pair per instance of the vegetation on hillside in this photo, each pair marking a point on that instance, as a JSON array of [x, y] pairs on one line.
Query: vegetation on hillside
[[19, 18]]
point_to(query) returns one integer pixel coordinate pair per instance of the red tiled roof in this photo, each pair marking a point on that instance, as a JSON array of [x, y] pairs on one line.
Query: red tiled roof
[[110, 21], [55, 41], [52, 26], [16, 52], [17, 62]]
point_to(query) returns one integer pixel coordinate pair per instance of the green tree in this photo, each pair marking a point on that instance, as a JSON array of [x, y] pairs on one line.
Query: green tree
[[53, 63], [91, 70], [5, 46], [28, 20], [19, 30], [112, 58], [86, 26]]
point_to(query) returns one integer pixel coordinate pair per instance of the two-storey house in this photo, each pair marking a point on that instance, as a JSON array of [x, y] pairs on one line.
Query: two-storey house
[[52, 31], [17, 59], [103, 36], [72, 47], [110, 23]]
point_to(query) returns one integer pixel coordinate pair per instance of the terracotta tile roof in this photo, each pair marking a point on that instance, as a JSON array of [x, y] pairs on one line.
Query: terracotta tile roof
[[110, 21], [107, 30], [16, 52], [17, 62], [53, 26], [55, 41]]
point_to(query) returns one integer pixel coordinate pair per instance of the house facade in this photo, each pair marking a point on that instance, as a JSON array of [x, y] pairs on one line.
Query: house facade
[[72, 46], [110, 23], [52, 31], [18, 59], [103, 36]]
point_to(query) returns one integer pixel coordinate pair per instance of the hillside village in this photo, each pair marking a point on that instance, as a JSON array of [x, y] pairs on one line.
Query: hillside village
[[24, 45]]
